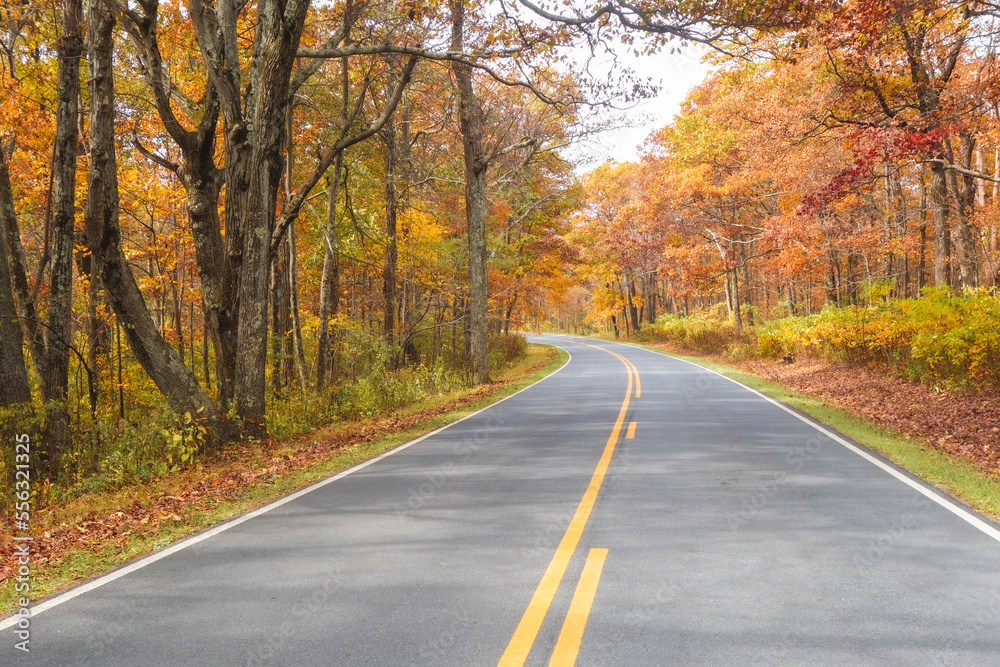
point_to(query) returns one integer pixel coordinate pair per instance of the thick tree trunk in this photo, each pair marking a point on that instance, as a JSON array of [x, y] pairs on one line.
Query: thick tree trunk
[[963, 192], [14, 385], [58, 333], [471, 125], [157, 358], [279, 27], [25, 304], [961, 241], [217, 257]]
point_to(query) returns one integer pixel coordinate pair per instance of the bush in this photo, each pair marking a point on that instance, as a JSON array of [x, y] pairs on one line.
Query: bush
[[941, 339], [506, 349], [106, 453], [698, 333], [381, 390]]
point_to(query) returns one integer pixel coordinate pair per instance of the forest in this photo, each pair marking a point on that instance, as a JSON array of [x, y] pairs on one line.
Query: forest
[[235, 220], [829, 191]]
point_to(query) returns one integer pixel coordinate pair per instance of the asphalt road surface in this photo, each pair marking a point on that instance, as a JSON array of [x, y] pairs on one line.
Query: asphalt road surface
[[631, 509]]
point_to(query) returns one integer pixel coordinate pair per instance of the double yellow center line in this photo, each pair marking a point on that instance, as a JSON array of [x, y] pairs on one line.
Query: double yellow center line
[[572, 632]]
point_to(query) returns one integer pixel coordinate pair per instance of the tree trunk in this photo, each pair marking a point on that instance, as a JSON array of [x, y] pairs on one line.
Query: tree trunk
[[747, 294], [58, 333], [651, 297], [963, 193], [96, 334], [279, 27], [157, 358], [735, 292], [14, 385], [329, 293], [942, 234], [389, 263], [293, 279], [509, 313], [281, 318], [633, 312], [202, 182], [961, 241], [471, 125], [921, 270]]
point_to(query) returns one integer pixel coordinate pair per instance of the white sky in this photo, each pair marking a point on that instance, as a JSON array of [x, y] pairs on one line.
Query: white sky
[[677, 74]]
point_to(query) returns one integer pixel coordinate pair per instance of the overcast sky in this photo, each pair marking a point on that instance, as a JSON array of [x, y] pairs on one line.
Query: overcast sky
[[677, 74]]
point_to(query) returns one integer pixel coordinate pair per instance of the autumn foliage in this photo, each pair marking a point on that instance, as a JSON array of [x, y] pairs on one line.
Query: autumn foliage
[[221, 219], [197, 248], [846, 162]]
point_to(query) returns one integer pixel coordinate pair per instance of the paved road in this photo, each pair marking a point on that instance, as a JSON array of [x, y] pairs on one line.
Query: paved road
[[656, 516]]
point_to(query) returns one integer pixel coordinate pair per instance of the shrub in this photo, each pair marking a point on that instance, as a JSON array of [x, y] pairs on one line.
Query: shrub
[[940, 338], [698, 333], [506, 349]]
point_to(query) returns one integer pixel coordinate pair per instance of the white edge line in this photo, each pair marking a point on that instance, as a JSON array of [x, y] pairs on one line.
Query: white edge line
[[944, 502], [86, 587]]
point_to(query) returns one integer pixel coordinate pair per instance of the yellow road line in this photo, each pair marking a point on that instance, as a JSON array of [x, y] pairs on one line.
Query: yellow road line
[[527, 629], [638, 385], [571, 635], [630, 433], [628, 364]]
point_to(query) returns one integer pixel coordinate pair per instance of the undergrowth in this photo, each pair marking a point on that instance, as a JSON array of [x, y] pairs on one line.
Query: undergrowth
[[943, 340], [109, 453]]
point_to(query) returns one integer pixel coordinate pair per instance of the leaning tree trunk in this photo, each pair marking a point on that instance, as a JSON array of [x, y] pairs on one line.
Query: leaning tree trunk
[[158, 359], [202, 181], [471, 125]]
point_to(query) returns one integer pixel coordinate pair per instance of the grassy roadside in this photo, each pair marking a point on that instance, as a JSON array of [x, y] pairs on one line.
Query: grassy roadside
[[959, 477], [176, 506]]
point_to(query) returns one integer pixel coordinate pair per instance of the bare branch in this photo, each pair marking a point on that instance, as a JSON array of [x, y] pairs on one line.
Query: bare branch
[[961, 170], [150, 155], [303, 191], [470, 59]]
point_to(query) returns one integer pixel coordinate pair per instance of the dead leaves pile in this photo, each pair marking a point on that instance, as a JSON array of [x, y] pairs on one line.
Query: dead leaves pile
[[966, 424]]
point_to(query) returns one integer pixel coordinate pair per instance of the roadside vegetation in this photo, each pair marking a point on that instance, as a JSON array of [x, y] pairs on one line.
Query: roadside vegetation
[[118, 514], [943, 340]]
